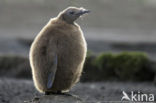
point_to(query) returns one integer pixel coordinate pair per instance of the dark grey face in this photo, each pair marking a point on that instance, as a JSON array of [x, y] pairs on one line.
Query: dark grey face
[[72, 13]]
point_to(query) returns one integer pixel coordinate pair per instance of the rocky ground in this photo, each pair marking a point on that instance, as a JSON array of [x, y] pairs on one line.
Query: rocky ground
[[18, 91]]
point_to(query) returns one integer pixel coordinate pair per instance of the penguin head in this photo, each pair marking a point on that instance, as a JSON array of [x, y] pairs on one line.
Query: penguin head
[[72, 13]]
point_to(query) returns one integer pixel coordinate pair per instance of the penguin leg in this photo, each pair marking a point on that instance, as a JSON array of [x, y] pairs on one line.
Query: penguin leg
[[59, 92], [47, 93], [53, 92]]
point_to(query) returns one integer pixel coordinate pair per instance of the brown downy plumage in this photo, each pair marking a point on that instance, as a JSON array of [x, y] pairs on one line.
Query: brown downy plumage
[[58, 52]]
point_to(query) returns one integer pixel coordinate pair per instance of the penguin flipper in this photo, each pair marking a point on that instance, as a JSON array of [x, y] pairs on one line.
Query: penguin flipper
[[51, 75]]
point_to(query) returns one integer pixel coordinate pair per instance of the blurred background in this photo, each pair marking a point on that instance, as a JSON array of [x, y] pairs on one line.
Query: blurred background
[[121, 38], [112, 25]]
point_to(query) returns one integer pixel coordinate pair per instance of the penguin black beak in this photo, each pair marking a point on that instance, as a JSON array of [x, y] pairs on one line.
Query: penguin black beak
[[83, 11]]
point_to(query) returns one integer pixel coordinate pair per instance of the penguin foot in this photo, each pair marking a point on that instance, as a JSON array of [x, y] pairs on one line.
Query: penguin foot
[[48, 93], [60, 93], [55, 93]]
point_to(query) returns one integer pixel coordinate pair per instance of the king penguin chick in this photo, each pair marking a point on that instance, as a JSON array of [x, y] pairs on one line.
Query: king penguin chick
[[58, 53]]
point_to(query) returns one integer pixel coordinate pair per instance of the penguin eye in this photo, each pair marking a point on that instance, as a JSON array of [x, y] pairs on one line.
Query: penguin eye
[[71, 12]]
